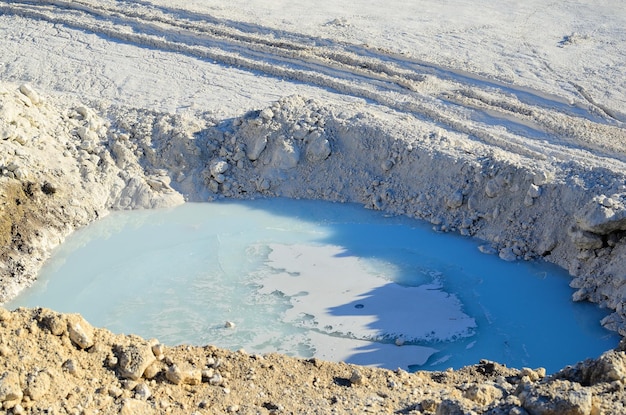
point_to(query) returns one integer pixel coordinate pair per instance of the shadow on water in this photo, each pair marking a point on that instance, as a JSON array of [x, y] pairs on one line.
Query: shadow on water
[[523, 310]]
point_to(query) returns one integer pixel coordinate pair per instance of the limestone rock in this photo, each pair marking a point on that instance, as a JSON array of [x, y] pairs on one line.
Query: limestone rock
[[482, 394], [451, 407], [356, 378], [152, 370], [560, 397], [134, 359], [37, 385], [492, 188], [72, 367], [255, 147], [218, 166], [286, 154], [585, 239], [609, 367], [28, 91], [455, 200], [183, 374], [142, 391], [5, 315], [56, 323], [158, 349], [80, 331], [10, 392], [603, 214], [317, 147], [136, 407]]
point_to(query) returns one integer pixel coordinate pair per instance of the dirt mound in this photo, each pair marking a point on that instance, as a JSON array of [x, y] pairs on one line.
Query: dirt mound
[[56, 363]]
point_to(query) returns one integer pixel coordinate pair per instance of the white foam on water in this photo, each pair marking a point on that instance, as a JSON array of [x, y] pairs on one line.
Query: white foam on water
[[312, 278]]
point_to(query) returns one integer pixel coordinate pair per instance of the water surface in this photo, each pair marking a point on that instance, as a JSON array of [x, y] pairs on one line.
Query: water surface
[[312, 278]]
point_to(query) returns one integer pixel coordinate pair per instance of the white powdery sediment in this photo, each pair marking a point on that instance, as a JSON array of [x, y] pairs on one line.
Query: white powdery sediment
[[564, 204], [345, 307], [371, 307]]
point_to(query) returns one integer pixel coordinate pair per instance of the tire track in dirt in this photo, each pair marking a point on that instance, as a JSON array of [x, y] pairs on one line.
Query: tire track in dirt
[[517, 120]]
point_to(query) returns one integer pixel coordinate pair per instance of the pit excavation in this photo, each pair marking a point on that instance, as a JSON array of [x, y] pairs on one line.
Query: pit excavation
[[501, 126]]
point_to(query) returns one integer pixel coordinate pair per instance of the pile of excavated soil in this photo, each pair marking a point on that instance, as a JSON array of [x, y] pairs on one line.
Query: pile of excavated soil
[[64, 165], [56, 363]]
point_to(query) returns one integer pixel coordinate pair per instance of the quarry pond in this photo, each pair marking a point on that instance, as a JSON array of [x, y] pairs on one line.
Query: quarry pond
[[317, 279]]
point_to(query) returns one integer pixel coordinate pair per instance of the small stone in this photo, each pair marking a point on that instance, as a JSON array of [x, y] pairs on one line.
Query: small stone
[[152, 370], [233, 408], [81, 332], [532, 375], [159, 351], [455, 200], [134, 360], [5, 351], [115, 392], [216, 379], [71, 366], [5, 315], [487, 249], [482, 394], [218, 167], [534, 191], [20, 173], [37, 385], [429, 405], [529, 200], [10, 391], [255, 146], [541, 178], [317, 148], [267, 114], [142, 391], [356, 378], [207, 374], [129, 384], [387, 165], [229, 325], [136, 407], [183, 375], [492, 188], [507, 254], [48, 188], [28, 91]]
